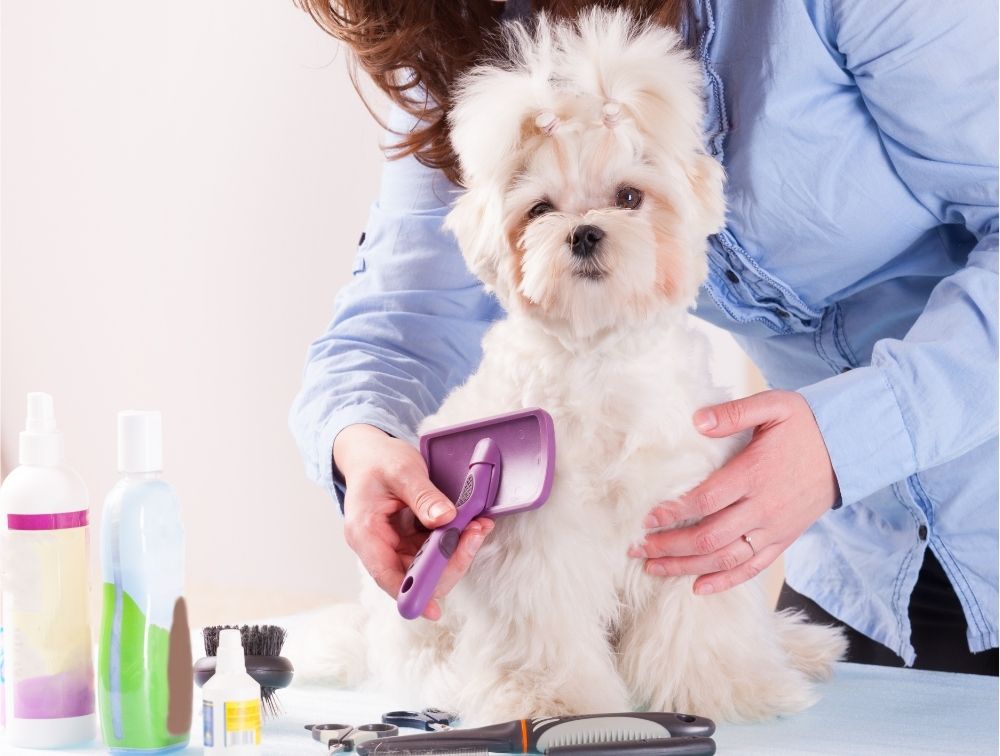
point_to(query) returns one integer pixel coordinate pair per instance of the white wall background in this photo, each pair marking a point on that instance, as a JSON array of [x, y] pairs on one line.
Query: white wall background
[[183, 187]]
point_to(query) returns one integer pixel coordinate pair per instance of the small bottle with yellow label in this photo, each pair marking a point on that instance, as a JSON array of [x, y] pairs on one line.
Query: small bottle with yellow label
[[231, 702]]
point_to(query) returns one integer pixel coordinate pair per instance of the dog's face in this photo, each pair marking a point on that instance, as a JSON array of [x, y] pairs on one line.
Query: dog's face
[[589, 198]]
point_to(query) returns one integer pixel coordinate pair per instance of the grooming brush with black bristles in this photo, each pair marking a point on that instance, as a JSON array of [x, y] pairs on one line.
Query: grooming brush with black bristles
[[262, 651]]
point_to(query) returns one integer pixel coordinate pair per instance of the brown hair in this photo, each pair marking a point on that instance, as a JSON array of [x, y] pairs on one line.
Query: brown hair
[[414, 51]]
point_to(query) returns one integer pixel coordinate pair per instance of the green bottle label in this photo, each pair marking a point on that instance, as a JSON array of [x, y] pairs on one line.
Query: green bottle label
[[133, 690]]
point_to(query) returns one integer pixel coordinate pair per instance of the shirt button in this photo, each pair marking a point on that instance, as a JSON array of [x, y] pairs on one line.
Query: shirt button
[[733, 278], [922, 532]]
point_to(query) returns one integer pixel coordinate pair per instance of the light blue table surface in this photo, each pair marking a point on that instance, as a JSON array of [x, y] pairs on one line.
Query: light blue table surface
[[864, 710]]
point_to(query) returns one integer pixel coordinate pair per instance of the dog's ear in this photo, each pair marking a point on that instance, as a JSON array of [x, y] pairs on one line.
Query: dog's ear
[[477, 223], [492, 115], [682, 229], [707, 178]]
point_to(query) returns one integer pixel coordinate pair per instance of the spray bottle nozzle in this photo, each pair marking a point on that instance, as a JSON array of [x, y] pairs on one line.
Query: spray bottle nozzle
[[41, 414], [40, 441]]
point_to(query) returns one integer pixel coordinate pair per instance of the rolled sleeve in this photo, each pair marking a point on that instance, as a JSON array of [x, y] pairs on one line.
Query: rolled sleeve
[[864, 431], [369, 411]]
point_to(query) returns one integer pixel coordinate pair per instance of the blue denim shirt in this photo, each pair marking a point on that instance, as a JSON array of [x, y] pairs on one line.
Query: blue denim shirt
[[858, 266]]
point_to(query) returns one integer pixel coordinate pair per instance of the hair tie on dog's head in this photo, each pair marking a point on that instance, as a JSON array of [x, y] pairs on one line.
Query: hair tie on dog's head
[[547, 121], [612, 113]]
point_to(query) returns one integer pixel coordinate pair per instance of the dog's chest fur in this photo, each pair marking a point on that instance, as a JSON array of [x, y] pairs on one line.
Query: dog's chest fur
[[622, 410]]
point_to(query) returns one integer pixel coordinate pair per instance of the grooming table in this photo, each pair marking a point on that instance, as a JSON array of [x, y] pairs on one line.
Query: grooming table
[[864, 710]]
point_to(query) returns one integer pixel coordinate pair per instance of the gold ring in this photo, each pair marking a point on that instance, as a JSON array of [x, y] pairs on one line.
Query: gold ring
[[750, 544]]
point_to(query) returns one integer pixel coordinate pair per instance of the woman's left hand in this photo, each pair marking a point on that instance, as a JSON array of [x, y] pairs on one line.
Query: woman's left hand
[[770, 492]]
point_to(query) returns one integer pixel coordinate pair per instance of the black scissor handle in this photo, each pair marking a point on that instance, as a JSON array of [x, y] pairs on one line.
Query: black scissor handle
[[379, 730], [330, 733], [428, 719]]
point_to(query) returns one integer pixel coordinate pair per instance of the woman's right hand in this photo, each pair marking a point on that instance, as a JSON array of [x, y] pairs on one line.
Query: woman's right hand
[[390, 505]]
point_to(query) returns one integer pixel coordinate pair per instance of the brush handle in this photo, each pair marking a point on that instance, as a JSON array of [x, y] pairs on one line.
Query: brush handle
[[683, 746], [543, 734], [478, 493]]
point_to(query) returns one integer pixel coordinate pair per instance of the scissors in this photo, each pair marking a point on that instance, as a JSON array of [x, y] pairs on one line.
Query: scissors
[[430, 719], [341, 738]]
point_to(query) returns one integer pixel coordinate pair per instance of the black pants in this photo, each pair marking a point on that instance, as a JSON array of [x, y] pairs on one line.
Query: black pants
[[938, 627]]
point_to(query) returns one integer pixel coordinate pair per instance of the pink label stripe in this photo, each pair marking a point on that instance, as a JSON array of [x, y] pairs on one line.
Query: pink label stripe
[[47, 521]]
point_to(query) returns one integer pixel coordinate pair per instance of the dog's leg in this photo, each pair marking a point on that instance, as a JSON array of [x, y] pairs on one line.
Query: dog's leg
[[539, 668], [725, 656], [534, 640]]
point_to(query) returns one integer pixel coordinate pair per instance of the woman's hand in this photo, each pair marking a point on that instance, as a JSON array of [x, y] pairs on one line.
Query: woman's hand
[[389, 497], [770, 492]]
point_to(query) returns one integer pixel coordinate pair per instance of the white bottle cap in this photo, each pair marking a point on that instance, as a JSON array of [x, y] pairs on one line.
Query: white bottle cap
[[229, 655], [140, 441], [40, 442]]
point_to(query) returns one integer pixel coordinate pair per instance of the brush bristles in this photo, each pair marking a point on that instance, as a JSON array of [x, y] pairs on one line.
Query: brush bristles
[[257, 640]]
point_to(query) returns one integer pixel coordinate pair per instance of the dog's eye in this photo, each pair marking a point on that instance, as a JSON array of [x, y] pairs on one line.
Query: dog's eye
[[540, 208], [628, 197]]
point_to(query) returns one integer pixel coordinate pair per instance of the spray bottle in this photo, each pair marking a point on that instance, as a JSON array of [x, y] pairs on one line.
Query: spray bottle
[[145, 683], [231, 702], [48, 692]]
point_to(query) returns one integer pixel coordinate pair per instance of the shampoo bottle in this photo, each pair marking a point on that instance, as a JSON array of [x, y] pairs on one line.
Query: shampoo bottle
[[48, 690], [145, 683], [231, 702]]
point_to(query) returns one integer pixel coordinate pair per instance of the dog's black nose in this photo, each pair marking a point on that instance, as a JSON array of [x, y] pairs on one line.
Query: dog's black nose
[[584, 240]]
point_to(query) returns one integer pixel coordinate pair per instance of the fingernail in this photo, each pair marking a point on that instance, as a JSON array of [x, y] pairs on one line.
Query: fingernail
[[475, 541], [705, 420], [438, 509], [704, 589], [636, 551], [656, 568], [650, 521]]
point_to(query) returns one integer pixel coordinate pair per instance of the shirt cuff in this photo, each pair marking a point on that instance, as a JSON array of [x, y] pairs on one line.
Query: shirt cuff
[[367, 414], [863, 428]]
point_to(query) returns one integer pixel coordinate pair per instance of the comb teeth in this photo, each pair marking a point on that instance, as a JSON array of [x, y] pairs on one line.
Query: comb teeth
[[600, 729], [594, 737]]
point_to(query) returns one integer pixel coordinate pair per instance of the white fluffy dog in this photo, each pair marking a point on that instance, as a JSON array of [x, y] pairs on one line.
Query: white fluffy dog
[[589, 202]]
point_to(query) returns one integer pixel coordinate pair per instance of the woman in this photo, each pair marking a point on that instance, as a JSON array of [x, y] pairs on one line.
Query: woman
[[858, 269]]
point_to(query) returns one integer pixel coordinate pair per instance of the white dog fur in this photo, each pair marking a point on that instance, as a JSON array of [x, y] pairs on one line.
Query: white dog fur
[[554, 617]]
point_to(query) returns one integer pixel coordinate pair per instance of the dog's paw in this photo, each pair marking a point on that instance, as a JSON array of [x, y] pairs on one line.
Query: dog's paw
[[753, 694], [529, 699]]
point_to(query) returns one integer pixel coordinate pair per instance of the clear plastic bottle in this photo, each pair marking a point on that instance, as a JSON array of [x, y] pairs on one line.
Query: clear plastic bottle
[[145, 683], [231, 702], [48, 690]]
